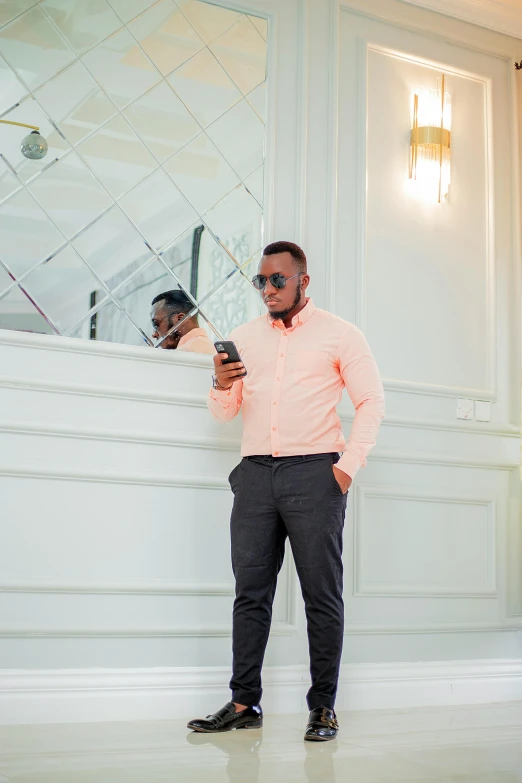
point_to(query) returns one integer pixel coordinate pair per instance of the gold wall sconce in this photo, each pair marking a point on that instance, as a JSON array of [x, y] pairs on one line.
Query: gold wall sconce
[[430, 141], [33, 146]]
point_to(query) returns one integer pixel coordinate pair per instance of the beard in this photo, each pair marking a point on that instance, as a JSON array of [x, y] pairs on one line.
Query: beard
[[282, 314], [170, 343]]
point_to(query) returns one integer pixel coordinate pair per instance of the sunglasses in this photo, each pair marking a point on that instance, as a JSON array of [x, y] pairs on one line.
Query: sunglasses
[[277, 279], [157, 321]]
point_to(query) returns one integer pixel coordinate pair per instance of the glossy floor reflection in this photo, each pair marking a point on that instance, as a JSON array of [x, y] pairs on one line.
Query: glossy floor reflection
[[476, 744]]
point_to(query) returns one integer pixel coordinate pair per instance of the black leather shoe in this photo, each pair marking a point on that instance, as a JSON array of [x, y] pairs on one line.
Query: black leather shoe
[[227, 719], [322, 725]]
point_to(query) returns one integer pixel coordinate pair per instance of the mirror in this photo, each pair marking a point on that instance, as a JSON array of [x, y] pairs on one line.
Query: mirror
[[153, 182]]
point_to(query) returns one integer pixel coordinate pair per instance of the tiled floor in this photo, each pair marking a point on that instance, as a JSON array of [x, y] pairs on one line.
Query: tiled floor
[[477, 744]]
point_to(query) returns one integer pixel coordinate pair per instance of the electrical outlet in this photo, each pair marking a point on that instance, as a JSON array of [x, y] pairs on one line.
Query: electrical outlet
[[464, 408], [482, 410]]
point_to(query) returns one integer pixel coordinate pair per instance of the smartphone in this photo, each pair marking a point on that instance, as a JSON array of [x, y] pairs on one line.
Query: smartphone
[[227, 346]]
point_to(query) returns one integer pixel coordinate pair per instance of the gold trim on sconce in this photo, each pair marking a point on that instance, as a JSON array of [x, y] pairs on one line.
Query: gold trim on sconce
[[430, 135], [429, 142]]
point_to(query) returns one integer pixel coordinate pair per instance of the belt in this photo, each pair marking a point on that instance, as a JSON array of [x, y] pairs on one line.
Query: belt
[[303, 457]]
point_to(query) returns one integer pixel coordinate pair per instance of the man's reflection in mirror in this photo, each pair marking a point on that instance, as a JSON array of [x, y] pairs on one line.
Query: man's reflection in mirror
[[167, 310]]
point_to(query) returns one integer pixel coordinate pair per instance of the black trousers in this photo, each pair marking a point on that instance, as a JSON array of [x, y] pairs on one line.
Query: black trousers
[[297, 497]]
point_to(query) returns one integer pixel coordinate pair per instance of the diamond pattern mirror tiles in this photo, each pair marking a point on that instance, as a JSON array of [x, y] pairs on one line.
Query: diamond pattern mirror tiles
[[154, 113]]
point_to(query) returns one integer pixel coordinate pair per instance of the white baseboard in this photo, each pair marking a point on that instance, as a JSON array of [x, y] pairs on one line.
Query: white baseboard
[[92, 695]]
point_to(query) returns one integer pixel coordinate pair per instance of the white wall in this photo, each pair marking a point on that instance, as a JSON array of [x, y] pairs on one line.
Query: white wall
[[116, 505], [434, 287], [114, 495]]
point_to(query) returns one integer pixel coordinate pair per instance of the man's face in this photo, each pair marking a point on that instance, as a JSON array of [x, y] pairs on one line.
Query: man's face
[[281, 301], [162, 322]]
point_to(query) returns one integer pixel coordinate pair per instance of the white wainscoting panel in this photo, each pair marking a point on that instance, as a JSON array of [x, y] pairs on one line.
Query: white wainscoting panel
[[430, 272], [115, 474], [410, 543], [114, 523], [438, 275], [434, 518]]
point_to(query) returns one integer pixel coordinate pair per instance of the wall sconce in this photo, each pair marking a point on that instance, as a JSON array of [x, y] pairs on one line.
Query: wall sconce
[[33, 146], [430, 141]]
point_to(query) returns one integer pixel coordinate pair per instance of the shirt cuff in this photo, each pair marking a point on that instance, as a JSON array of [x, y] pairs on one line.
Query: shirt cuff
[[220, 394], [349, 464]]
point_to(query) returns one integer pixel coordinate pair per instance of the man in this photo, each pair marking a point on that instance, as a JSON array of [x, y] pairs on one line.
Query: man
[[291, 480], [170, 308]]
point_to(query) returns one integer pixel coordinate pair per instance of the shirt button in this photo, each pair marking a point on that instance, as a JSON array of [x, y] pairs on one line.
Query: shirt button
[[276, 453], [278, 379], [274, 428], [275, 402], [281, 354]]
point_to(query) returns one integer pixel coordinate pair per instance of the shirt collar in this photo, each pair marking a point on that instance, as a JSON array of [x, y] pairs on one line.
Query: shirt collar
[[199, 332], [298, 320]]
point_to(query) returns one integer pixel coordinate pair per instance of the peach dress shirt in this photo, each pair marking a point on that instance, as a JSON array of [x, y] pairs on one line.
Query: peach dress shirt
[[197, 340], [295, 380]]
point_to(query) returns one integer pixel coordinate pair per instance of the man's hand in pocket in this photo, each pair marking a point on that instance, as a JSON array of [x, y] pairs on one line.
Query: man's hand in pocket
[[342, 478]]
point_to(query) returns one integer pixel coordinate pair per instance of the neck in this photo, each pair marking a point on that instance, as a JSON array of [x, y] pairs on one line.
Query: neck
[[188, 326], [287, 320]]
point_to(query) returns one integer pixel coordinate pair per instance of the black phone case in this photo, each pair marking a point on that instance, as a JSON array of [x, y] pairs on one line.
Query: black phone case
[[227, 346]]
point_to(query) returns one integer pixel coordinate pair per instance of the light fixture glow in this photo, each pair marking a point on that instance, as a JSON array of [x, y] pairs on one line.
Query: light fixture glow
[[430, 141]]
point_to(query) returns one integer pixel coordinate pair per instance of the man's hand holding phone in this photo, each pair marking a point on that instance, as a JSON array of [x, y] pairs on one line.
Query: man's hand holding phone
[[227, 374]]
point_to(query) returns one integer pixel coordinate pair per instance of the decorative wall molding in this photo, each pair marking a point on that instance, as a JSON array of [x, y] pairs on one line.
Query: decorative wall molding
[[486, 590], [157, 479], [120, 436], [200, 401], [82, 432], [119, 587], [418, 17], [361, 184], [508, 625], [436, 390], [151, 587], [402, 385], [461, 427], [104, 391], [207, 481], [450, 459], [292, 590], [492, 14], [99, 695], [332, 168], [516, 221], [46, 342], [85, 698], [207, 631], [283, 628]]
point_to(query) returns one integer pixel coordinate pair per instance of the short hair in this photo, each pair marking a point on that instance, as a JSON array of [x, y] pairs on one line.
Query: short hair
[[176, 301], [288, 247]]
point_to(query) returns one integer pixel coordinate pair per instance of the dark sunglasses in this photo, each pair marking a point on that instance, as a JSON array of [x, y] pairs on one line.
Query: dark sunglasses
[[157, 321], [277, 279]]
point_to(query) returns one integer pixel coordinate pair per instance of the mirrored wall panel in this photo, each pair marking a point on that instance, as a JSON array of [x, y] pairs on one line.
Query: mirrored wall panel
[[142, 172]]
